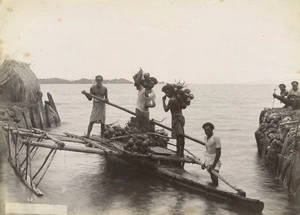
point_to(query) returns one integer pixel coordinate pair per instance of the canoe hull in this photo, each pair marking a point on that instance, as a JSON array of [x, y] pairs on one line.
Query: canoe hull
[[181, 177], [171, 171]]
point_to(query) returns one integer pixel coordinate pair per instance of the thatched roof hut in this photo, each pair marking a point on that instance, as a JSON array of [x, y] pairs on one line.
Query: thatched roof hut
[[18, 83]]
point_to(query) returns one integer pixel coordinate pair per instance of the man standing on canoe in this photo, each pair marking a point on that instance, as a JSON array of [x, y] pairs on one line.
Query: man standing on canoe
[[146, 99], [98, 113], [178, 119], [213, 152]]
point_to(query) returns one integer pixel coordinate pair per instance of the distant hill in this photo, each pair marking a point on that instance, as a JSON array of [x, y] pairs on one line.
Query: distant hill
[[82, 81]]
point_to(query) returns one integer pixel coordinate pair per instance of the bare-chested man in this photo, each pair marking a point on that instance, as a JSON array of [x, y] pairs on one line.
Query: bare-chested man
[[98, 113], [178, 119]]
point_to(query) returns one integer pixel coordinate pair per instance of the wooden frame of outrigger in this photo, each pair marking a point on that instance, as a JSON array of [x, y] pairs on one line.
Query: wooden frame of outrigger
[[19, 139]]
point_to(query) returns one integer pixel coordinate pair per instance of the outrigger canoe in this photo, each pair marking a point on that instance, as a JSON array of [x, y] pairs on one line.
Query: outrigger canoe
[[162, 163], [158, 161]]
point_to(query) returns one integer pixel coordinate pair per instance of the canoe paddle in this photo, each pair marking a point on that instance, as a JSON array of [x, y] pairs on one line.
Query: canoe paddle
[[131, 112]]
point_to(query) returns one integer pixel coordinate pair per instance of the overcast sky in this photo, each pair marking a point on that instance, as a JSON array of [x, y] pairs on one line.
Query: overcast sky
[[197, 41]]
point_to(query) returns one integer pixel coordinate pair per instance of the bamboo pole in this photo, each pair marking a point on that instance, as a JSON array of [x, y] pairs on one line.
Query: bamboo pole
[[27, 156], [9, 142], [43, 164], [47, 167], [102, 152], [57, 136], [16, 150], [57, 141], [128, 111]]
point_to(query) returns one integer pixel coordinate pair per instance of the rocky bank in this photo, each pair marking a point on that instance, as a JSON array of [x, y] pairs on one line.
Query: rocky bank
[[278, 143]]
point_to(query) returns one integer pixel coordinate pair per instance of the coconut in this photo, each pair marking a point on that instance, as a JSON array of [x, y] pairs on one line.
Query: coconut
[[127, 147], [111, 130], [106, 134], [187, 91], [180, 91], [188, 101], [151, 143], [144, 150], [144, 136], [138, 142], [179, 97], [145, 143], [117, 127], [135, 148], [130, 142], [122, 131], [191, 96]]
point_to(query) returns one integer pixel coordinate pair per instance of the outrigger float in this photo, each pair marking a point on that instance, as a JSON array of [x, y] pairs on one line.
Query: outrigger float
[[23, 145]]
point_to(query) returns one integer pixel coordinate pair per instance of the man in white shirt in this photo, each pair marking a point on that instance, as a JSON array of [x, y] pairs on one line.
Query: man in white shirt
[[213, 152], [146, 99]]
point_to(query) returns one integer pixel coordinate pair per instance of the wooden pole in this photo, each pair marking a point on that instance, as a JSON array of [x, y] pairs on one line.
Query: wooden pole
[[9, 142], [43, 164], [128, 111], [16, 150], [102, 152], [240, 191]]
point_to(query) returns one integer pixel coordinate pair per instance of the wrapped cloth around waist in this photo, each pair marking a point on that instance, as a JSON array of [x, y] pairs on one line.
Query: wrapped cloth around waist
[[98, 114], [209, 160]]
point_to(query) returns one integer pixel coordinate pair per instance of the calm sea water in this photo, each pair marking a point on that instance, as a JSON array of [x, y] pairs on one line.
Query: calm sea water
[[91, 184]]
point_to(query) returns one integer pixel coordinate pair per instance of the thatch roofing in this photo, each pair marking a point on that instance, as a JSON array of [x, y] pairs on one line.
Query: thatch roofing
[[18, 82]]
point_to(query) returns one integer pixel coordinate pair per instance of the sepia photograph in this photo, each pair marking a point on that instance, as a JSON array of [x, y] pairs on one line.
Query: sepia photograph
[[161, 107]]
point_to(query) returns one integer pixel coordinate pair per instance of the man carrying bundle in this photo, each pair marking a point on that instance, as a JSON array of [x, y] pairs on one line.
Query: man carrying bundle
[[98, 113], [178, 119], [213, 152], [146, 99]]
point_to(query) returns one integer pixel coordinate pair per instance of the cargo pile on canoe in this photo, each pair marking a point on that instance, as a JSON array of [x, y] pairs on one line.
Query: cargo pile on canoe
[[133, 139]]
